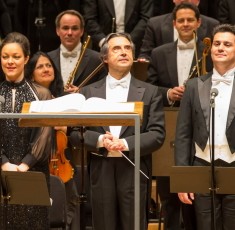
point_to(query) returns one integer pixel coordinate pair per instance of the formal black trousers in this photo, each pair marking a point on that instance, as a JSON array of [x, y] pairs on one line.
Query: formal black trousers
[[224, 214], [177, 216], [112, 194], [224, 205]]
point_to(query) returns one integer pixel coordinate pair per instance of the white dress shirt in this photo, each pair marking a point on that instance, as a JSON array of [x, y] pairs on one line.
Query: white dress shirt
[[184, 61], [116, 94], [119, 7], [222, 102], [67, 64]]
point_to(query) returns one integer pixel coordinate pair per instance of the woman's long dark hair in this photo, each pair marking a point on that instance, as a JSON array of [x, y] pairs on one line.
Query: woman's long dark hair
[[56, 87]]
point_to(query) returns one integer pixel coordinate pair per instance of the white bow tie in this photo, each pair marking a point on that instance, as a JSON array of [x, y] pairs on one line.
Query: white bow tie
[[217, 79], [69, 54], [122, 83], [186, 46]]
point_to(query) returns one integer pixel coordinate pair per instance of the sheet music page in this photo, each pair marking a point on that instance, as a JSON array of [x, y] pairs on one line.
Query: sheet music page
[[95, 104], [76, 102], [68, 103]]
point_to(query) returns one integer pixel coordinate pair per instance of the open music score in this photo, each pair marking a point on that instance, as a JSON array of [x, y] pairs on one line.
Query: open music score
[[65, 121]]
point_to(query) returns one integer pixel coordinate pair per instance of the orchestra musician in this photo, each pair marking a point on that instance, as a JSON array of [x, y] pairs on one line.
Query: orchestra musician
[[41, 69], [170, 65], [160, 30], [70, 29]]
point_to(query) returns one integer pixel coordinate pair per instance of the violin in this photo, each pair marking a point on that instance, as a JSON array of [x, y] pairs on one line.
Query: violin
[[207, 43], [59, 165]]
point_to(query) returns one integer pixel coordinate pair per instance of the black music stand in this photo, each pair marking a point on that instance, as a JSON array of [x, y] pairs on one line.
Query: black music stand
[[23, 188], [198, 179]]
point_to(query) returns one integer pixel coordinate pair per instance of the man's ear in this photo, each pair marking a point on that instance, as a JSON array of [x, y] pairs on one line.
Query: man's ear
[[105, 57]]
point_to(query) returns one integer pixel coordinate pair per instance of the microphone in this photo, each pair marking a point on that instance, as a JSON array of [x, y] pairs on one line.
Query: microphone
[[214, 92], [2, 101]]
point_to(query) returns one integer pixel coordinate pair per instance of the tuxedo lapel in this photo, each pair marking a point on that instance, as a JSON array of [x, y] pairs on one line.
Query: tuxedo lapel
[[110, 7], [81, 67], [171, 54], [130, 4], [56, 59], [204, 87], [231, 111], [136, 93], [99, 90]]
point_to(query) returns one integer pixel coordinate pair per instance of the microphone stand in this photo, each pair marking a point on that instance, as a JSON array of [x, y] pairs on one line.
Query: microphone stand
[[213, 178]]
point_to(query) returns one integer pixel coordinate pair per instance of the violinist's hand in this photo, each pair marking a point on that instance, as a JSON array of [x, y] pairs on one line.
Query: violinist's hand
[[71, 89], [23, 167], [9, 167], [186, 198], [176, 93], [62, 128]]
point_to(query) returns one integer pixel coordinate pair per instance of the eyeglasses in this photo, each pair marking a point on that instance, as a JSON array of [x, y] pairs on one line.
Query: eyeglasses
[[41, 66]]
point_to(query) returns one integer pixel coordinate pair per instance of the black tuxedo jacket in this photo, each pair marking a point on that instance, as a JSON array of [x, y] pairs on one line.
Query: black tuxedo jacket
[[226, 11], [90, 61], [163, 67], [160, 31], [193, 120], [152, 128], [99, 16]]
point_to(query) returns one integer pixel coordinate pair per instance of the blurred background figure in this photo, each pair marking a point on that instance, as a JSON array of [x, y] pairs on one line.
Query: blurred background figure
[[5, 20], [206, 7], [226, 11], [36, 20], [104, 17]]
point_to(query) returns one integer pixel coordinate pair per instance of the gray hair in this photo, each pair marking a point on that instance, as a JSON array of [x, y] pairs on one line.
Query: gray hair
[[105, 46]]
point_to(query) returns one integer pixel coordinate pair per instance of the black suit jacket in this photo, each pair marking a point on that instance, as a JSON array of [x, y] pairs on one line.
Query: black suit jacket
[[90, 61], [226, 11], [152, 128], [193, 120], [163, 67], [99, 16], [160, 31]]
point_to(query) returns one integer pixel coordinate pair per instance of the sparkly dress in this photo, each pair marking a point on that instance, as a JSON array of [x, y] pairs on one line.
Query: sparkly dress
[[28, 145]]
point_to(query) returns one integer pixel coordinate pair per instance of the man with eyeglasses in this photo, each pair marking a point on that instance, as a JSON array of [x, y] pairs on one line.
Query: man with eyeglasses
[[111, 174], [70, 28]]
